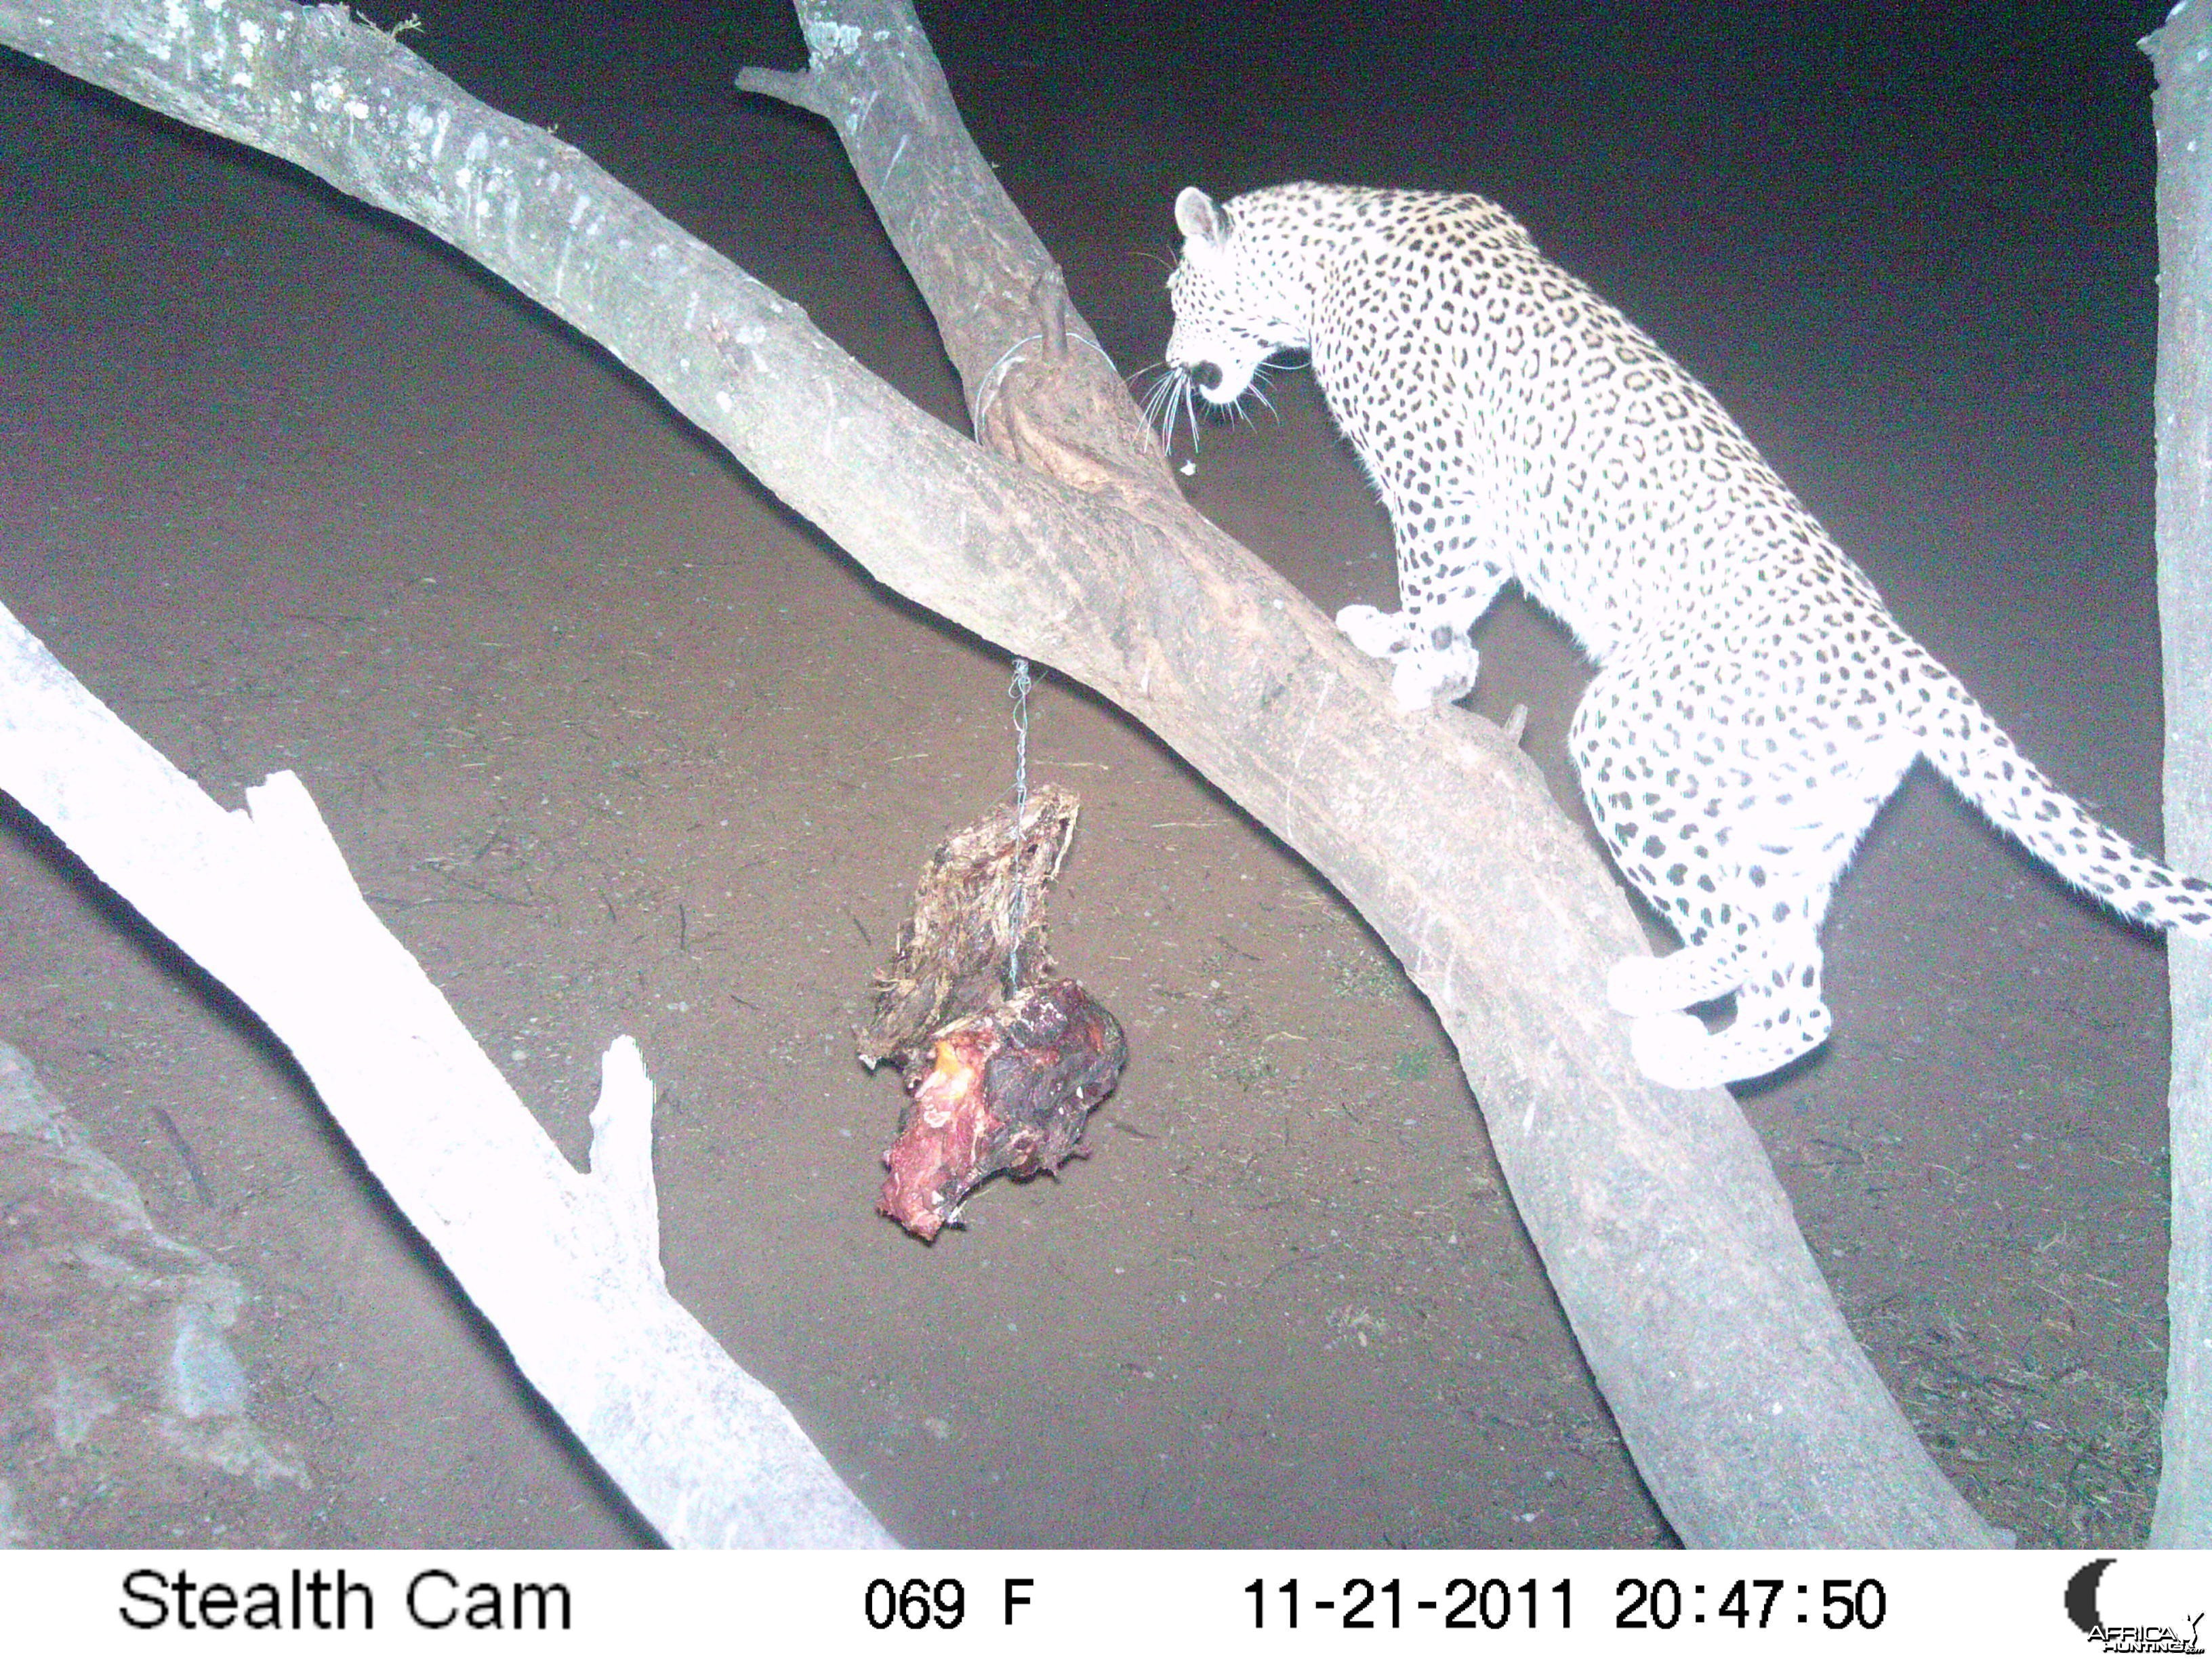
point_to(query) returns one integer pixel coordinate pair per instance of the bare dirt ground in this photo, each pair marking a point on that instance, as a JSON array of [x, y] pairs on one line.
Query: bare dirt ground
[[618, 746]]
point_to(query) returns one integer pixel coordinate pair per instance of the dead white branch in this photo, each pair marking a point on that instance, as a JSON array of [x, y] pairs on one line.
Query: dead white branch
[[567, 1267]]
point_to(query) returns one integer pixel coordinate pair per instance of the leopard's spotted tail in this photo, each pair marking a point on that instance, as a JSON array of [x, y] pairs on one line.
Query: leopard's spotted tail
[[1967, 747]]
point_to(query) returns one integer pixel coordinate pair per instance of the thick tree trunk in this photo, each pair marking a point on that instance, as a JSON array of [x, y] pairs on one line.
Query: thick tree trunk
[[2183, 114], [1753, 1414]]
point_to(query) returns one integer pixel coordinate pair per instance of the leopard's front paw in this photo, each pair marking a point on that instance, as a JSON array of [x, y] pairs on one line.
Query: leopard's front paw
[[1676, 1051], [1384, 634], [1638, 986], [1422, 678], [1425, 671]]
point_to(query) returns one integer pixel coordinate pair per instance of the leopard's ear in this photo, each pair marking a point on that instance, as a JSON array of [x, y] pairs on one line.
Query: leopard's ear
[[1199, 219]]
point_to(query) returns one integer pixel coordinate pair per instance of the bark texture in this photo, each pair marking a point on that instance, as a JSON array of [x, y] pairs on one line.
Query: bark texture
[[2182, 111], [1753, 1414]]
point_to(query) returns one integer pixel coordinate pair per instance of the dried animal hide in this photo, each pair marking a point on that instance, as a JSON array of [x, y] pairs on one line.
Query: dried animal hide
[[981, 894]]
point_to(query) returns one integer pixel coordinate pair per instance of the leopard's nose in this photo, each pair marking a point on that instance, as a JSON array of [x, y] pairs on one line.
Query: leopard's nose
[[1208, 376]]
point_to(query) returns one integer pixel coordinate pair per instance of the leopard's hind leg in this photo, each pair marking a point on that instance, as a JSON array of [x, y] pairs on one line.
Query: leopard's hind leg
[[1736, 832], [1681, 979], [1779, 1015]]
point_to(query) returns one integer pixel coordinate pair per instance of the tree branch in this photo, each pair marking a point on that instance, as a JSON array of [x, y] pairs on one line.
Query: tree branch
[[2182, 111]]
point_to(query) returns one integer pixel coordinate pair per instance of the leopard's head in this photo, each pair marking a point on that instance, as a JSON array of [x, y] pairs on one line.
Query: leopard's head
[[1232, 311]]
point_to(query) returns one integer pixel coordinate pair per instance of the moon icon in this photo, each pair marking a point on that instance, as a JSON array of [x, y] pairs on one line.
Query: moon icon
[[2082, 1595]]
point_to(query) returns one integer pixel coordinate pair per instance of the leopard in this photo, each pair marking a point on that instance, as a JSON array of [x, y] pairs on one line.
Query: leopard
[[1754, 703]]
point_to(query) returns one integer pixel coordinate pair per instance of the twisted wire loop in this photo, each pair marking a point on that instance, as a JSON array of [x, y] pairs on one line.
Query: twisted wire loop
[[986, 389]]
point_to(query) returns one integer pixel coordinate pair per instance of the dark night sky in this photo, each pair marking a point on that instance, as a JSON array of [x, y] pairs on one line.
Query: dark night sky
[[1664, 149]]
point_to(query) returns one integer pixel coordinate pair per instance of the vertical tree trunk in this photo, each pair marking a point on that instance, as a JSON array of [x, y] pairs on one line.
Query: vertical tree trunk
[[2183, 1517]]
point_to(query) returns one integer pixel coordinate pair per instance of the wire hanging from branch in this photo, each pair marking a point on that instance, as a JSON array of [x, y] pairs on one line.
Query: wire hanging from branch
[[1002, 1064], [1019, 691]]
